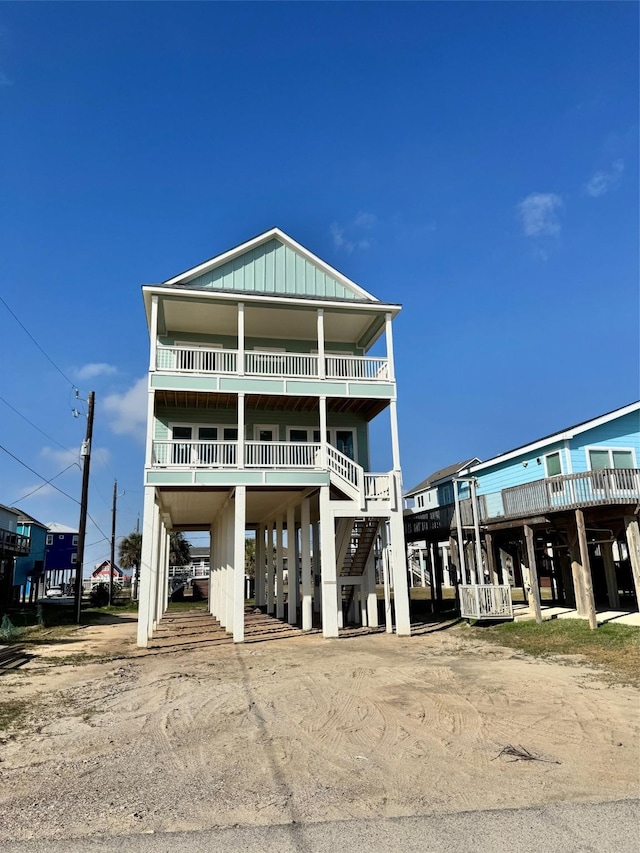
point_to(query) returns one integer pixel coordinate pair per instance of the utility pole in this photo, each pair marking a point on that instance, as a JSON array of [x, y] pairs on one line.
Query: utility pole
[[113, 540], [86, 462]]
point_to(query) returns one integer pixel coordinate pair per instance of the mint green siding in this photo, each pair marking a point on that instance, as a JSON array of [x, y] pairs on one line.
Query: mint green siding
[[231, 342], [273, 268]]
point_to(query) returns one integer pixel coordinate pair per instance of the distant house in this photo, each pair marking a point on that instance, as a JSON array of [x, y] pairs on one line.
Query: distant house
[[61, 554], [29, 571], [12, 544], [101, 574], [558, 512]]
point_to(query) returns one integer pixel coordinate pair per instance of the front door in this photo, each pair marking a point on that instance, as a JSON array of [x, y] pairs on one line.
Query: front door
[[345, 443]]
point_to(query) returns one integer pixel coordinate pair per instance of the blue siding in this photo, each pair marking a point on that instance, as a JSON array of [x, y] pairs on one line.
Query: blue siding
[[524, 468], [622, 432], [25, 565]]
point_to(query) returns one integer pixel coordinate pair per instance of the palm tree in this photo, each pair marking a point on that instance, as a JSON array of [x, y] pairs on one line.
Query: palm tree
[[130, 557], [179, 550]]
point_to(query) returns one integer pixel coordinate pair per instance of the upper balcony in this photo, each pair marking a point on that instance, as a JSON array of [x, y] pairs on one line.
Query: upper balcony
[[605, 487], [288, 365]]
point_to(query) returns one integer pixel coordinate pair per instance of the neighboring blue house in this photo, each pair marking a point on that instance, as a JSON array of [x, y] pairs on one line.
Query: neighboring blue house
[[559, 512], [61, 554], [33, 565]]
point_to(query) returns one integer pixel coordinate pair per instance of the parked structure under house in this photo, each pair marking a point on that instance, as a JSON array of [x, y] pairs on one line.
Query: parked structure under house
[[261, 391], [560, 513]]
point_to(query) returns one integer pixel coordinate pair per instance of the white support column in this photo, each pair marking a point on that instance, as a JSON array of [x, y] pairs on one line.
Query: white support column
[[307, 578], [328, 565], [153, 334], [315, 567], [222, 570], [292, 567], [155, 561], [241, 431], [229, 588], [476, 532], [395, 441], [145, 570], [239, 563], [323, 432], [322, 372], [270, 570], [259, 580], [213, 545], [400, 588], [372, 598], [632, 531], [389, 341], [165, 575], [279, 570], [388, 619], [241, 338]]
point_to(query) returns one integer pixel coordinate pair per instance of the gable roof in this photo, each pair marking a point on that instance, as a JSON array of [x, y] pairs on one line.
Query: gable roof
[[25, 518], [441, 474], [563, 435], [271, 263], [54, 527]]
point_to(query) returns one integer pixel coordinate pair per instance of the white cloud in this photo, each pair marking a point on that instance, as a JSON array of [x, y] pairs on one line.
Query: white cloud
[[37, 489], [349, 237], [539, 214], [127, 412], [59, 457], [602, 182], [90, 371]]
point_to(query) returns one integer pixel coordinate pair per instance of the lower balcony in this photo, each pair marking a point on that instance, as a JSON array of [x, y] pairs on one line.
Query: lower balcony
[[13, 544], [276, 456]]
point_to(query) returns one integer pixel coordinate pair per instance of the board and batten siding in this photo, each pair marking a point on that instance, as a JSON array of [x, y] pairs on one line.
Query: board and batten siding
[[623, 432], [273, 268], [8, 519]]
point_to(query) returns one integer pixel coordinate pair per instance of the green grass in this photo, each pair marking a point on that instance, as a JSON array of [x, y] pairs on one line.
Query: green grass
[[614, 648], [187, 604]]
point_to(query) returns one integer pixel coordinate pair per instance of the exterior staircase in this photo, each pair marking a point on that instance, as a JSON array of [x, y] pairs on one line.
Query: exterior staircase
[[362, 538]]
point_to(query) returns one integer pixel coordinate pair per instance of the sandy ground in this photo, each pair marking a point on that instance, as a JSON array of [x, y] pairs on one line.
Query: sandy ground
[[198, 733]]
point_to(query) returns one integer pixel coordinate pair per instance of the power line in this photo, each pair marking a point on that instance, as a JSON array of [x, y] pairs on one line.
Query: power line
[[28, 333], [48, 482], [25, 418]]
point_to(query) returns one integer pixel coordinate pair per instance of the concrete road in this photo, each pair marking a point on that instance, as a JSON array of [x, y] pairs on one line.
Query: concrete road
[[612, 827]]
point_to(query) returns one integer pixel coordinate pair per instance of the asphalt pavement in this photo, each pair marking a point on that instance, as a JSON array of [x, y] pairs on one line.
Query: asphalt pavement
[[612, 827]]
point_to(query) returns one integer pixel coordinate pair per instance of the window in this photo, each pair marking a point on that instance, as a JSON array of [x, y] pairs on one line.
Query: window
[[49, 538], [298, 435], [207, 453], [553, 464], [74, 559], [606, 458], [181, 453], [74, 540], [60, 535], [230, 433]]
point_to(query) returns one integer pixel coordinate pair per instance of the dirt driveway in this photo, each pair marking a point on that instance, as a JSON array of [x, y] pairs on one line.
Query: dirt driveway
[[198, 733]]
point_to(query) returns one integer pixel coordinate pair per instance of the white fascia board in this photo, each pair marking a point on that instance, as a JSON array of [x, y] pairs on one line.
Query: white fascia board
[[219, 260], [565, 435]]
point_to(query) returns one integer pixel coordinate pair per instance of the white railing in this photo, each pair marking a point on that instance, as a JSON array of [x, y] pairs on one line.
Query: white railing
[[344, 467], [282, 454], [199, 454], [488, 601], [194, 570], [281, 364], [185, 359], [377, 487], [197, 359], [357, 367]]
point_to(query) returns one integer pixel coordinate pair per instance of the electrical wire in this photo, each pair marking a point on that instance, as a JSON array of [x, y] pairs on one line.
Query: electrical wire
[[41, 431], [28, 333], [71, 498], [46, 483]]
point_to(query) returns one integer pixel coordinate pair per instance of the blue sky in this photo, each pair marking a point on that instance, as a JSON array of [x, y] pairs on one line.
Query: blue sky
[[477, 163]]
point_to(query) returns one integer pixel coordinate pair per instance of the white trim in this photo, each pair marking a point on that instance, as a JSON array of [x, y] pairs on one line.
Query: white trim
[[609, 448], [273, 233], [558, 437], [557, 453], [332, 437], [273, 427]]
